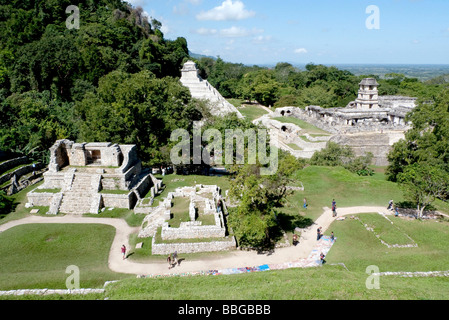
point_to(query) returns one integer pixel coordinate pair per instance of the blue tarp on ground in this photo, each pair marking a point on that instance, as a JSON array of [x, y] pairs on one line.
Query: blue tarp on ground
[[264, 267]]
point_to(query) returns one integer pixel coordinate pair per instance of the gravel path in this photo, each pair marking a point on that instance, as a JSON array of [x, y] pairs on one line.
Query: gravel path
[[235, 259]]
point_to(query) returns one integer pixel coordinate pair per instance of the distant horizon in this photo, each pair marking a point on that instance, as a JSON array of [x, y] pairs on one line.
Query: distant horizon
[[327, 64], [349, 32]]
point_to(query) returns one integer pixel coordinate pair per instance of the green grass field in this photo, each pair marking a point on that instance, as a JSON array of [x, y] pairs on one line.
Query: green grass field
[[252, 112], [37, 256], [309, 128], [322, 283]]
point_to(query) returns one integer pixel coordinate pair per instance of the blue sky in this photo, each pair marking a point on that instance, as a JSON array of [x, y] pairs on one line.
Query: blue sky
[[300, 31]]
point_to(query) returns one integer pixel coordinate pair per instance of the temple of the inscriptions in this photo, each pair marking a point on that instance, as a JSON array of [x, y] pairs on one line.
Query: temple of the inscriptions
[[202, 89]]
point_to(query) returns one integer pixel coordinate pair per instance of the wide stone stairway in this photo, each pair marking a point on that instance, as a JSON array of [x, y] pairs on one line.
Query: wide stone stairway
[[79, 198]]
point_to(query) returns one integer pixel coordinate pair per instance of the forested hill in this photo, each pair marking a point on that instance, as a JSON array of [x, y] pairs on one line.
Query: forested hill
[[108, 80]]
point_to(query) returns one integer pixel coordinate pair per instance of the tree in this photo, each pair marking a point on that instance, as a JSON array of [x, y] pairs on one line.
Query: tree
[[333, 155], [420, 162], [424, 183], [427, 140], [136, 109], [6, 204], [254, 220]]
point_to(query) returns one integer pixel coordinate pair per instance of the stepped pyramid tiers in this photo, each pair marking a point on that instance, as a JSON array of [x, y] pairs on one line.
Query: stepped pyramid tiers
[[85, 177], [201, 89]]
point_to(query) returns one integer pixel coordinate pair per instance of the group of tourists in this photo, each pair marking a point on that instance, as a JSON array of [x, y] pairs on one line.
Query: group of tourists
[[392, 207]]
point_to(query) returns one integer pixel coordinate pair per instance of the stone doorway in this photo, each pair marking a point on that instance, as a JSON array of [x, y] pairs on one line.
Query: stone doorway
[[94, 157]]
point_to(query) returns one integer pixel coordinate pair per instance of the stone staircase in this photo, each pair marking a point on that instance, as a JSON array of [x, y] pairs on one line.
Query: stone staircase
[[202, 89], [78, 199]]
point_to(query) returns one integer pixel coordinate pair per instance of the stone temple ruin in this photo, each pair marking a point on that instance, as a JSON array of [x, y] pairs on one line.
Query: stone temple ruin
[[371, 123], [201, 89], [86, 177], [369, 112], [202, 202]]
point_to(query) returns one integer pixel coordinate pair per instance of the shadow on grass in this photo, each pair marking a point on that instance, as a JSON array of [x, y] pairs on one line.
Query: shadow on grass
[[289, 222], [286, 223]]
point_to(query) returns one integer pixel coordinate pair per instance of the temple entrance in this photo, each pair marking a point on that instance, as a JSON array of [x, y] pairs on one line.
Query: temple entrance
[[94, 157]]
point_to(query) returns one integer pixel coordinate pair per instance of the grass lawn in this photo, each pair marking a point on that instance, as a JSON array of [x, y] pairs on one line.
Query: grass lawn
[[235, 102], [311, 129], [174, 181], [358, 248], [37, 255], [322, 184], [323, 283], [252, 112], [385, 230], [19, 199], [294, 146], [180, 211]]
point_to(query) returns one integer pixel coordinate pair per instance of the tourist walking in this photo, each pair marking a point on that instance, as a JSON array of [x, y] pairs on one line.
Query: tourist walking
[[218, 206], [318, 233], [334, 208], [175, 258], [305, 203], [124, 252], [169, 261], [322, 256], [295, 239], [390, 205], [332, 236]]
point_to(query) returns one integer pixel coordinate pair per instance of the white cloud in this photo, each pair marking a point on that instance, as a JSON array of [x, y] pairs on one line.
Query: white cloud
[[261, 39], [235, 32], [183, 8], [136, 3], [228, 10], [206, 32], [301, 50]]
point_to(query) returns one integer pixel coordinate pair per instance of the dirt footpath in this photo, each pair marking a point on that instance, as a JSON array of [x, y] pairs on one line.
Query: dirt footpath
[[235, 259]]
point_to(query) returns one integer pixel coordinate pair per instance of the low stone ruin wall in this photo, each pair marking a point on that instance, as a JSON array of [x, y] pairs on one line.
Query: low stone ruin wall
[[192, 232], [167, 248], [20, 172], [40, 199], [9, 164], [125, 201], [143, 186]]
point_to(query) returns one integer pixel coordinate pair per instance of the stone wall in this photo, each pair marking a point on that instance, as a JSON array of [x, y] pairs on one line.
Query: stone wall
[[9, 164], [125, 201], [379, 144], [143, 186], [192, 231], [20, 172], [167, 248], [40, 199]]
